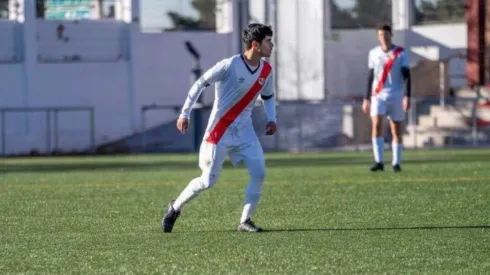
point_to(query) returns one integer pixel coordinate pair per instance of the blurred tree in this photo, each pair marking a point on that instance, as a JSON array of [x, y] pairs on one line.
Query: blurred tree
[[206, 20], [341, 18], [369, 14], [434, 11], [4, 9]]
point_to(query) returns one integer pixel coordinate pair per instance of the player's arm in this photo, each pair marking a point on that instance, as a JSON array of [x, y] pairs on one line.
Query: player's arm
[[268, 98], [214, 74], [407, 81], [369, 84], [405, 70], [367, 97]]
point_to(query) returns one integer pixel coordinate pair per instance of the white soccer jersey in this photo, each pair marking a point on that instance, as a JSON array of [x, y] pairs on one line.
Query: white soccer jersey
[[236, 90], [388, 79]]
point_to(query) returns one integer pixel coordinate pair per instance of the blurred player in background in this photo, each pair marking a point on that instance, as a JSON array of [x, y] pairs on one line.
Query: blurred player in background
[[388, 94], [239, 80]]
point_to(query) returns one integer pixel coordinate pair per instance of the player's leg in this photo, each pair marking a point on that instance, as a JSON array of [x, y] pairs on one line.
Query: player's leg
[[378, 110], [253, 158], [211, 158], [396, 117]]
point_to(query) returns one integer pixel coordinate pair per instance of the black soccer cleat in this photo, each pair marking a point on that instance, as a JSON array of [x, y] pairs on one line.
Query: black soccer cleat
[[397, 168], [377, 167], [248, 226], [169, 218]]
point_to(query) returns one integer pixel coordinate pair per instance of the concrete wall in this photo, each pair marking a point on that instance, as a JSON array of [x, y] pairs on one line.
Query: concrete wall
[[157, 72]]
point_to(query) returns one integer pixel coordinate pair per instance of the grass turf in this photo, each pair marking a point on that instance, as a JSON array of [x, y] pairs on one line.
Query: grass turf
[[324, 212]]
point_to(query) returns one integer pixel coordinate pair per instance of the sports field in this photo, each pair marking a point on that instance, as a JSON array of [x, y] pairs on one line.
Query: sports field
[[324, 214]]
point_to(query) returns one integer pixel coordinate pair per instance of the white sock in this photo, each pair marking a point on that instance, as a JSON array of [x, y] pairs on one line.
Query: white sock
[[191, 191], [397, 149], [378, 149], [252, 196]]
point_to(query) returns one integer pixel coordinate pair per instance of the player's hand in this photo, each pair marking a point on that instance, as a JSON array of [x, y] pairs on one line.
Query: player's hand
[[182, 125], [270, 128], [406, 103], [365, 106]]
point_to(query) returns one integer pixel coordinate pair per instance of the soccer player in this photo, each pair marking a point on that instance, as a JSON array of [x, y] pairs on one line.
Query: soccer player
[[239, 80], [389, 75]]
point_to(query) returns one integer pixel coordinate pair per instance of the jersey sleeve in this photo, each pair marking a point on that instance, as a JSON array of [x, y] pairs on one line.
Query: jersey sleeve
[[404, 59], [213, 75], [268, 91], [370, 60]]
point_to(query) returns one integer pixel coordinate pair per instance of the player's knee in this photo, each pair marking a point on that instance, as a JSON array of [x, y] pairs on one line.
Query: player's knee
[[258, 173], [208, 180]]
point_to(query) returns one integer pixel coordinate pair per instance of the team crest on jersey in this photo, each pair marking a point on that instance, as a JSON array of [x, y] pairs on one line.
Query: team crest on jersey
[[261, 81]]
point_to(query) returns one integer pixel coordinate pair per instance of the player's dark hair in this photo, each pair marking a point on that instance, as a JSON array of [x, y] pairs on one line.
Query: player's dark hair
[[384, 27], [255, 32]]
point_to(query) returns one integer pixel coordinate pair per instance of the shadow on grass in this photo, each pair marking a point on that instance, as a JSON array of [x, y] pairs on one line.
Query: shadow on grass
[[87, 165], [381, 228], [352, 229]]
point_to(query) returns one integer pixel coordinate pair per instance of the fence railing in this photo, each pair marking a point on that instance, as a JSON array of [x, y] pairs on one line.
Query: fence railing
[[342, 125], [51, 115]]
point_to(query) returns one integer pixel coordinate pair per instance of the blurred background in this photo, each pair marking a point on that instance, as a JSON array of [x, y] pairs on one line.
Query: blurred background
[[109, 76]]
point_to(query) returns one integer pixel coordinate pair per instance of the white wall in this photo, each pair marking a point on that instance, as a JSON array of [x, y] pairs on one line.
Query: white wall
[[300, 47], [160, 71], [161, 67], [9, 41], [346, 63], [160, 74]]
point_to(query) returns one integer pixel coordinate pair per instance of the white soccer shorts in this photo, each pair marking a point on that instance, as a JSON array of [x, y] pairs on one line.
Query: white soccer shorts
[[391, 108], [212, 156]]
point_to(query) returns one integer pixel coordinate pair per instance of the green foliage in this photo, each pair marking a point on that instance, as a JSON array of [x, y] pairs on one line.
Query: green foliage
[[205, 21], [368, 14]]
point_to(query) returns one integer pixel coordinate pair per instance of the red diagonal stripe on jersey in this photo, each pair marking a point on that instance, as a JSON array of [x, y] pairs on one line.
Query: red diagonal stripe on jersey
[[386, 70], [230, 116]]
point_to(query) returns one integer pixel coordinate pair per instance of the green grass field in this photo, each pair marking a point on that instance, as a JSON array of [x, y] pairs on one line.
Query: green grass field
[[324, 212]]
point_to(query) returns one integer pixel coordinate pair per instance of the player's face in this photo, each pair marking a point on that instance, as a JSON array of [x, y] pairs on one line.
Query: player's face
[[265, 48], [384, 37]]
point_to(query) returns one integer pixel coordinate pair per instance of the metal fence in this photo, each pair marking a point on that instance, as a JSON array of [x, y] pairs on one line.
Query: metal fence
[[53, 131], [341, 125]]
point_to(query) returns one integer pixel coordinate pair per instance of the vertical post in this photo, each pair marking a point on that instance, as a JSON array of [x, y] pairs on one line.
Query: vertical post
[[48, 131], [300, 129], [328, 35], [143, 126], [442, 84], [135, 11], [30, 51], [414, 110], [482, 10], [4, 134], [266, 12], [475, 61], [195, 75], [55, 122], [130, 72], [356, 117], [92, 130], [273, 21], [474, 114], [297, 57]]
